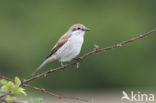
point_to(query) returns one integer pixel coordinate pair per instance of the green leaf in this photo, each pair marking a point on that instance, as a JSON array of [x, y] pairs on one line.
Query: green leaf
[[12, 88], [17, 82], [22, 91], [8, 86], [10, 98], [3, 82]]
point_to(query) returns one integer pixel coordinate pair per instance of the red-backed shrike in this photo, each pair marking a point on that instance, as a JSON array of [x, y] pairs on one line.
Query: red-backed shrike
[[68, 46]]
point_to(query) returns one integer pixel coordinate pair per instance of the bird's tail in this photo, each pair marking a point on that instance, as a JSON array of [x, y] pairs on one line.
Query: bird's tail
[[42, 65]]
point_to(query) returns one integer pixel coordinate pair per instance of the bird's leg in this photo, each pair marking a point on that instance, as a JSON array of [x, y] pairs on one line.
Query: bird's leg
[[62, 64]]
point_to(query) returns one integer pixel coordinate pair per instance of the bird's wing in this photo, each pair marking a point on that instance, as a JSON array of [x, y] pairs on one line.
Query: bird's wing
[[59, 44]]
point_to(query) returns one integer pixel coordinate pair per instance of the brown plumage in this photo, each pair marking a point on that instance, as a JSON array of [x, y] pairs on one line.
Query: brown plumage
[[59, 44]]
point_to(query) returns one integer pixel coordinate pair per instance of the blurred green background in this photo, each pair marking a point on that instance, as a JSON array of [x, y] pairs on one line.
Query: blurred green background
[[30, 28]]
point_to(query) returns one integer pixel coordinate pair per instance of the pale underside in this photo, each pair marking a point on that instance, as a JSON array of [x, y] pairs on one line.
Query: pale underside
[[70, 49]]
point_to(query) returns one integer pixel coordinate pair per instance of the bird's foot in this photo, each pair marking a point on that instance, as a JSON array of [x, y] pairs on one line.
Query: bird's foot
[[62, 65], [77, 59]]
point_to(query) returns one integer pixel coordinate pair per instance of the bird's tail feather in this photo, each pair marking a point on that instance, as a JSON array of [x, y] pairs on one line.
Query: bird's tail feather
[[42, 65]]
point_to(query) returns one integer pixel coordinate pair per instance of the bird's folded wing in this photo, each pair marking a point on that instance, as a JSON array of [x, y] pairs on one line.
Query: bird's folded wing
[[59, 44]]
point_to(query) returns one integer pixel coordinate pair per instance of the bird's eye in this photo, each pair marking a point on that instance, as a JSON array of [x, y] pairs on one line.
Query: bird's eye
[[79, 28]]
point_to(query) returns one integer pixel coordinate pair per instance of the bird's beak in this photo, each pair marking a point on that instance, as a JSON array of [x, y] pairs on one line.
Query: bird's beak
[[85, 29]]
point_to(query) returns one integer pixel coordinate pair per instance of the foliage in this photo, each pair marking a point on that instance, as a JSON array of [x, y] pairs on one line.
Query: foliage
[[12, 89]]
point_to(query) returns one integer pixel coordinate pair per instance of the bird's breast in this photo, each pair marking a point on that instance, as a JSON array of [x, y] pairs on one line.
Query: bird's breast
[[76, 40], [75, 43], [71, 48]]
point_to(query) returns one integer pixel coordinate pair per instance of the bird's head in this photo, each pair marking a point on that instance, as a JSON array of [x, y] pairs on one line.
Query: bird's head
[[78, 28]]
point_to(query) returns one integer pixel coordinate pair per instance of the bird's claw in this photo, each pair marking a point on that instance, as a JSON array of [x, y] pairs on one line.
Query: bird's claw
[[77, 59]]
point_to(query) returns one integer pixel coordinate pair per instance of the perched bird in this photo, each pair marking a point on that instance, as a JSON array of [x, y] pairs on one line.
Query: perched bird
[[67, 47]]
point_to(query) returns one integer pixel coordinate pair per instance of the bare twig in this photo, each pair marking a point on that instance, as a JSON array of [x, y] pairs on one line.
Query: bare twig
[[42, 90], [6, 78], [51, 94], [2, 96], [88, 54]]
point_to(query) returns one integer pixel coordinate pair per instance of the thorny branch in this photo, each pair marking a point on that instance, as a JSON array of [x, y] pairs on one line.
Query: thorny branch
[[42, 90], [97, 50], [88, 54], [51, 94]]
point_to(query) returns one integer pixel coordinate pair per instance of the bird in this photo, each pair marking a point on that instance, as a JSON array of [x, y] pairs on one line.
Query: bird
[[67, 47]]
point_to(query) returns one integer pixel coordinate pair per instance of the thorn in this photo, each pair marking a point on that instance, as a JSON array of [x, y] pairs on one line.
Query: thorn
[[96, 47], [42, 88], [77, 65], [118, 45], [45, 75]]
